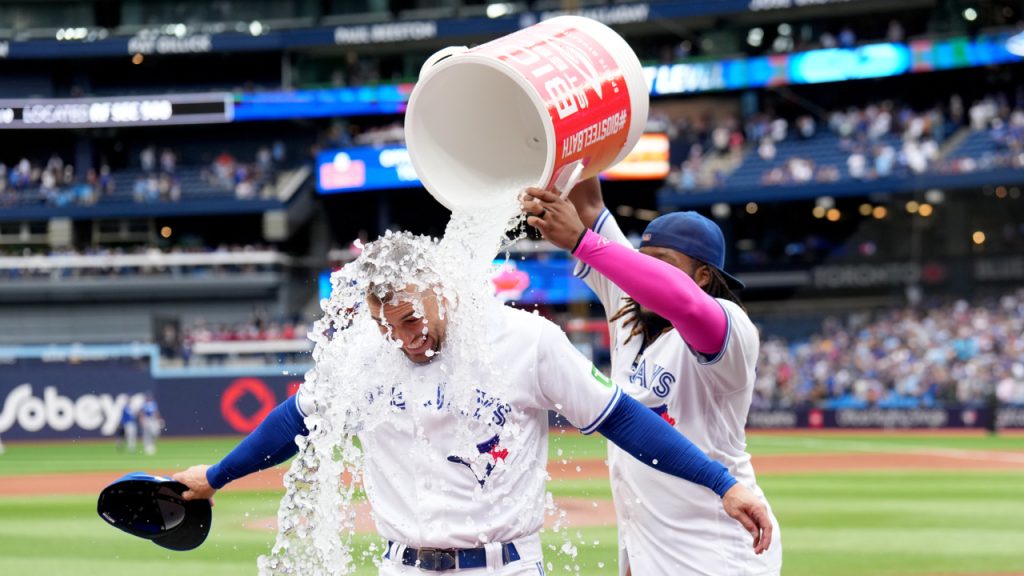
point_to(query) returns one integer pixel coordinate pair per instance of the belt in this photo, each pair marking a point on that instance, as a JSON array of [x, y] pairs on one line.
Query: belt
[[441, 559]]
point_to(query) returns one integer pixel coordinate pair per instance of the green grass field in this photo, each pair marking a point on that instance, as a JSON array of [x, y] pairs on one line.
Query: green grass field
[[849, 523]]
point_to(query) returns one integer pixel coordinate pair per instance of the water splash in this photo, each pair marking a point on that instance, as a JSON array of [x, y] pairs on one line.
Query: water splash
[[361, 377]]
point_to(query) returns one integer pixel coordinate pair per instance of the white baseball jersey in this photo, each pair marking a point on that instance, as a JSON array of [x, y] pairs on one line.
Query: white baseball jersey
[[427, 490], [669, 526]]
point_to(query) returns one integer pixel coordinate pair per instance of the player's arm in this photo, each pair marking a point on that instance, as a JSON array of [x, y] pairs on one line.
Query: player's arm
[[587, 199], [271, 443], [592, 402], [648, 438], [656, 285]]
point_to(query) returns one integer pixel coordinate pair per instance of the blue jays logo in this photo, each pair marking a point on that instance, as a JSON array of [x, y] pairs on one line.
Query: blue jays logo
[[663, 412], [492, 448], [659, 382]]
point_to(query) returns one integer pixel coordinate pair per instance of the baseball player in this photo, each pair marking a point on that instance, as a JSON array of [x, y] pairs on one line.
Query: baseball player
[[152, 423], [129, 429], [683, 345], [433, 505]]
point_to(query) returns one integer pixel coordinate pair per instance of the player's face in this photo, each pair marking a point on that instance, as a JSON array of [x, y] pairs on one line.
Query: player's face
[[421, 335]]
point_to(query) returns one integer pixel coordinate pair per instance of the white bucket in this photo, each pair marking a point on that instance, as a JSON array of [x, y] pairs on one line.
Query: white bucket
[[545, 106]]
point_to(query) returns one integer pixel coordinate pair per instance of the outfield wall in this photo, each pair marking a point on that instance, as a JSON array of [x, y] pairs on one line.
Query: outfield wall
[[64, 396], [56, 394]]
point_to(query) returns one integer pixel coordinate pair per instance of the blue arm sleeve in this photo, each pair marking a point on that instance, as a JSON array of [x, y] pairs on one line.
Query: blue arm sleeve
[[271, 443], [639, 431]]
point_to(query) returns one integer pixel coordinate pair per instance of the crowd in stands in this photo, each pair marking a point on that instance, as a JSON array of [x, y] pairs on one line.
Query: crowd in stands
[[701, 150], [997, 139], [956, 353], [258, 328], [345, 134], [876, 141], [30, 270], [54, 183], [799, 36], [160, 178]]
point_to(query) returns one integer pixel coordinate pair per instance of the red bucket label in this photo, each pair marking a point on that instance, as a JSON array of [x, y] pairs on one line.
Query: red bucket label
[[582, 86]]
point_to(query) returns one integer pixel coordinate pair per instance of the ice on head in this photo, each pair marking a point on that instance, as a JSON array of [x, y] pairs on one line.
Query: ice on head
[[316, 516]]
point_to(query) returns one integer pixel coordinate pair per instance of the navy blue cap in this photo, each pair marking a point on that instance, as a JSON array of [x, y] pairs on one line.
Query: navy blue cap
[[693, 235], [151, 507]]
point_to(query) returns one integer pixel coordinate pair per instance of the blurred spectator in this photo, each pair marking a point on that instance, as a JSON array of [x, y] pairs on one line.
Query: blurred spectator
[[147, 158], [895, 32], [847, 38], [168, 160], [806, 126], [950, 354]]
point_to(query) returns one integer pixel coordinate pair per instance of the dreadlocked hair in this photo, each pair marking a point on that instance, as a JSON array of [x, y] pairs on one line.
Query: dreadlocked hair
[[650, 326], [719, 288], [631, 312]]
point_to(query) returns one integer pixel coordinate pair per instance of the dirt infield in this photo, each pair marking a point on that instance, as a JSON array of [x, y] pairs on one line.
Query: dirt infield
[[924, 459]]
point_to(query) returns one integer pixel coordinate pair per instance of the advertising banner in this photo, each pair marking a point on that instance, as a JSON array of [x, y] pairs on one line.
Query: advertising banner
[[887, 418], [63, 113], [221, 405], [357, 169], [76, 399], [69, 399]]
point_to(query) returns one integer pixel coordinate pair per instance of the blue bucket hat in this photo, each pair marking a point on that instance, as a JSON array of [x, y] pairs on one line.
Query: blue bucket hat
[[152, 507], [693, 235]]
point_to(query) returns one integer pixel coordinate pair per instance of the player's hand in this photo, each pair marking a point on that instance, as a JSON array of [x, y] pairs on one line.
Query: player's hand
[[555, 217], [198, 487], [743, 506]]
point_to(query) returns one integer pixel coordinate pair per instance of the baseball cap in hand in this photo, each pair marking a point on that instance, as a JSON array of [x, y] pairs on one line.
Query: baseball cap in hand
[[693, 235], [151, 507]]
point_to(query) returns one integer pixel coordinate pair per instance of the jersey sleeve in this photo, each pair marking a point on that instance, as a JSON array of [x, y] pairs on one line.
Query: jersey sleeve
[[733, 367], [570, 384], [608, 293]]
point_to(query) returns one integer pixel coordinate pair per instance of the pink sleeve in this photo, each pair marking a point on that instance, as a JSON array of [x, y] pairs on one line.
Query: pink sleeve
[[661, 288]]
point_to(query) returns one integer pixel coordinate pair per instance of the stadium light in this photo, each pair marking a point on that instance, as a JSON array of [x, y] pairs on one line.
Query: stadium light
[[935, 196], [970, 14], [498, 10], [833, 215], [912, 206], [256, 28], [1015, 44], [865, 209], [645, 214], [721, 210], [72, 33], [818, 212], [978, 237], [166, 232], [751, 207], [880, 212], [925, 210], [755, 37]]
